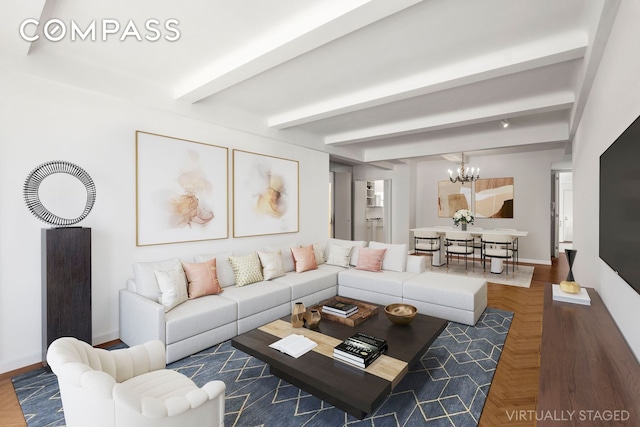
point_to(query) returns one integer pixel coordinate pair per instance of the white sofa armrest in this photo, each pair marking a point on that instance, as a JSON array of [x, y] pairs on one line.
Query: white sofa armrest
[[141, 320], [416, 264]]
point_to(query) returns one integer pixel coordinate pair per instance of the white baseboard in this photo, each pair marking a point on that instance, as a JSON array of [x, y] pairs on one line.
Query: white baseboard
[[535, 261]]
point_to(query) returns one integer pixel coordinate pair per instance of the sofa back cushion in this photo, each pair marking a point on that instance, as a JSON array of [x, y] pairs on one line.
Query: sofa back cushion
[[395, 259], [226, 276], [146, 282]]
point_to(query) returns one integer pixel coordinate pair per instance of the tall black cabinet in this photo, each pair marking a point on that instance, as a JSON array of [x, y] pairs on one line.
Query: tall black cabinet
[[66, 284]]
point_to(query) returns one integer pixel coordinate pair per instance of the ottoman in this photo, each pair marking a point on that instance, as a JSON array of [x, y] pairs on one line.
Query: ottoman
[[456, 298]]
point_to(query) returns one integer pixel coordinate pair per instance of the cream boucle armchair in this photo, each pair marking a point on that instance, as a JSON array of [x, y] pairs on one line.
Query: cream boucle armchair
[[130, 387]]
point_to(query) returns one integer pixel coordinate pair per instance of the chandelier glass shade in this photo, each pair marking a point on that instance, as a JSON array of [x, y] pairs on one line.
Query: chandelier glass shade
[[464, 173]]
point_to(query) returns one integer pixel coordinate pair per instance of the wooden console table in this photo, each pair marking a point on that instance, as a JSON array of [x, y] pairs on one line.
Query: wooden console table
[[588, 374]]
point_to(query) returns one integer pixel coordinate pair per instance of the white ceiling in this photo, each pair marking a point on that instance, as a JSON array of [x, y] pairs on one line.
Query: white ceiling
[[377, 81]]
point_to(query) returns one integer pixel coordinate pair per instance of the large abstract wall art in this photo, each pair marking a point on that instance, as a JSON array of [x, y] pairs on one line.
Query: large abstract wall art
[[494, 198], [265, 194], [181, 190], [453, 197]]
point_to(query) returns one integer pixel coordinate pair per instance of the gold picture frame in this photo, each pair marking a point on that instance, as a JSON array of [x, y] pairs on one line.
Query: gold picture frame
[[182, 191], [265, 194]]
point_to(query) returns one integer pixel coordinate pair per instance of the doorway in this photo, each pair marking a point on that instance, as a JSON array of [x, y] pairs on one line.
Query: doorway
[[562, 212]]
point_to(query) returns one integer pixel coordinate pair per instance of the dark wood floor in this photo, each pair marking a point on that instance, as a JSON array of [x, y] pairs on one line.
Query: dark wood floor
[[515, 385]]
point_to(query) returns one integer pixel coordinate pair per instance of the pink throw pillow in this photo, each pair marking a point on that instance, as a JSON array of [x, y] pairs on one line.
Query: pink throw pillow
[[202, 279], [304, 258], [370, 259]]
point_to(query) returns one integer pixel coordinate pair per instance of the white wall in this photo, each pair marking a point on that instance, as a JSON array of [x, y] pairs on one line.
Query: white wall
[[613, 104], [44, 121], [401, 198], [531, 174]]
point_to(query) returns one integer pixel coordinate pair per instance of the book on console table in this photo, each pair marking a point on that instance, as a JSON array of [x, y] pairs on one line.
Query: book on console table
[[581, 297], [294, 345], [340, 308], [360, 349]]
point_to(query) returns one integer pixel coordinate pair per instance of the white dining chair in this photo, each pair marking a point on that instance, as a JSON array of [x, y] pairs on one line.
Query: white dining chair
[[460, 243], [477, 238], [426, 241], [498, 246], [515, 242]]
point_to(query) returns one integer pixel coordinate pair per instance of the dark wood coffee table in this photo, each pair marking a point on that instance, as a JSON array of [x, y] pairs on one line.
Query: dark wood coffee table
[[354, 390]]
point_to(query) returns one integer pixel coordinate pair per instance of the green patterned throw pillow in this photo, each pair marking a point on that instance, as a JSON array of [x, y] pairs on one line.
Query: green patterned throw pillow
[[247, 269]]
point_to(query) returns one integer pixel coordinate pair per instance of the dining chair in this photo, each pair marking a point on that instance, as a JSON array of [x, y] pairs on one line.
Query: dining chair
[[477, 238], [459, 243], [426, 241], [515, 242], [498, 246]]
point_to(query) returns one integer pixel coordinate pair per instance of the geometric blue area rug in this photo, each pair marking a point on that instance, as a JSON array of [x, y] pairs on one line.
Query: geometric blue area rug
[[447, 387]]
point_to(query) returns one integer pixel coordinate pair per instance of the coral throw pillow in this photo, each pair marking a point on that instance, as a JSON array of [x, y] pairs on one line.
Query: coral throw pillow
[[370, 259], [304, 258], [202, 278]]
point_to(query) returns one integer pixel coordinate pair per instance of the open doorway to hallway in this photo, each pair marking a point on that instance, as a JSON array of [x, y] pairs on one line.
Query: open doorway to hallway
[[562, 227]]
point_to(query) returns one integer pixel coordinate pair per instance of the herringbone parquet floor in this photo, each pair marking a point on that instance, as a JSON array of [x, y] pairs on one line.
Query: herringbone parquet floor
[[514, 386]]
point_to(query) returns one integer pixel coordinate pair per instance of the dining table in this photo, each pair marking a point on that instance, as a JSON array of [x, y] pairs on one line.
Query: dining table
[[496, 263]]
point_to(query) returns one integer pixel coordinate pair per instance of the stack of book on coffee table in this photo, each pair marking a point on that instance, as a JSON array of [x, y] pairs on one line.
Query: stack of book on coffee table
[[360, 349], [339, 308]]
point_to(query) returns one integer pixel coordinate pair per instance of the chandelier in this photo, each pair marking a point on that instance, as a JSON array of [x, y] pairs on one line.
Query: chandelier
[[463, 173]]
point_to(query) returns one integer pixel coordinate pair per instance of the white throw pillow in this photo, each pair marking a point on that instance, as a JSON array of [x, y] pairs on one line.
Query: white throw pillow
[[272, 264], [339, 255], [319, 253], [226, 277], [173, 287], [145, 279], [353, 243], [395, 259], [287, 256]]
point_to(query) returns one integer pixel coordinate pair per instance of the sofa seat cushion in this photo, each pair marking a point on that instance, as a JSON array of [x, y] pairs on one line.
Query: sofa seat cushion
[[465, 293], [333, 268], [257, 297], [199, 315], [309, 282], [384, 282]]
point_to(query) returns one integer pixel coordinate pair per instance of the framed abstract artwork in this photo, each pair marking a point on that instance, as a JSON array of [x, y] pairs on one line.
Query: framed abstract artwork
[[494, 198], [181, 190], [452, 197], [265, 194]]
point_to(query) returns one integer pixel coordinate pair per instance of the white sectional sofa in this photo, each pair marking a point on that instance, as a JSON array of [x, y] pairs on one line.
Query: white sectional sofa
[[202, 322]]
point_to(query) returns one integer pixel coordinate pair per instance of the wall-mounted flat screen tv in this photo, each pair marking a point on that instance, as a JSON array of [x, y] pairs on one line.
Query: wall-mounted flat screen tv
[[620, 205]]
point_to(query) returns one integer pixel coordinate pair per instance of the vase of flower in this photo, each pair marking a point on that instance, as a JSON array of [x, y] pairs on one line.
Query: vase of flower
[[462, 217], [297, 316]]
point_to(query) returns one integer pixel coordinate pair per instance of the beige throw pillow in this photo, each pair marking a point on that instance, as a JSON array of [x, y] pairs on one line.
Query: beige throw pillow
[[272, 264], [247, 269], [339, 255]]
